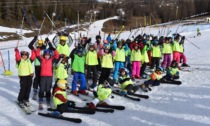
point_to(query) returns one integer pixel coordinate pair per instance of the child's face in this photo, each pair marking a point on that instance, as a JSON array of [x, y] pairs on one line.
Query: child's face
[[47, 56], [62, 43], [123, 73], [91, 48], [24, 56], [120, 46], [106, 50]]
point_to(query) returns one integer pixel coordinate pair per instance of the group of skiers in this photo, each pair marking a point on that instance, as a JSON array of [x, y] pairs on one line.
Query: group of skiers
[[128, 59]]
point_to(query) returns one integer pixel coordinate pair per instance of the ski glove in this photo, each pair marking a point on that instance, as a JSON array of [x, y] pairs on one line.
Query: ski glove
[[30, 46], [47, 40], [51, 46]]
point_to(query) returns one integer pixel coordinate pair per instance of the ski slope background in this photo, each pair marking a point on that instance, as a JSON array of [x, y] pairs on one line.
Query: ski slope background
[[168, 105]]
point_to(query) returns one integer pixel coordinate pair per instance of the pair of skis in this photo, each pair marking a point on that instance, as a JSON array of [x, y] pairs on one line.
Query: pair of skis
[[132, 96], [28, 109], [84, 110]]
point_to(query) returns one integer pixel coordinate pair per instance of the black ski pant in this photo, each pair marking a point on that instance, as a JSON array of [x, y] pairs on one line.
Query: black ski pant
[[131, 88], [170, 78], [25, 88], [105, 72], [45, 87], [37, 78], [155, 61], [143, 67], [95, 73]]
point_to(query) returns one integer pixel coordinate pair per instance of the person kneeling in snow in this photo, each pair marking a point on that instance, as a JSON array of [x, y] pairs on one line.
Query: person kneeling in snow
[[126, 84], [60, 100], [102, 95], [172, 72], [154, 79]]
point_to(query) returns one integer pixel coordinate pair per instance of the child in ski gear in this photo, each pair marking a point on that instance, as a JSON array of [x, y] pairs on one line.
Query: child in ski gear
[[98, 47], [126, 84], [91, 64], [62, 47], [102, 95], [182, 55], [154, 79], [198, 32], [136, 61], [167, 51], [47, 61], [128, 64], [60, 100], [145, 58], [172, 72], [149, 50], [61, 68], [156, 54], [37, 78], [176, 48], [25, 73], [78, 67], [108, 38], [107, 55], [119, 58]]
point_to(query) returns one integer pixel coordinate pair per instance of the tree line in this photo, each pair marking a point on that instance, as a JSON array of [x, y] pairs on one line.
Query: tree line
[[68, 10]]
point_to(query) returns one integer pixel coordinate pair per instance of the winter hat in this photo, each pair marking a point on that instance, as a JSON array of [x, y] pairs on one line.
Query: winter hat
[[124, 69], [79, 50], [62, 84]]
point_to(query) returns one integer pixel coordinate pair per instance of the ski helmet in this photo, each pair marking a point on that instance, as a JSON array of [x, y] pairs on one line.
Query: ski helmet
[[62, 84], [155, 42], [63, 38], [40, 42], [106, 47], [145, 42], [80, 50], [160, 69], [47, 52], [174, 64]]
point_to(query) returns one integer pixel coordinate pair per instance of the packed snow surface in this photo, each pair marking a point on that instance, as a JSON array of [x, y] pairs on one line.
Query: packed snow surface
[[168, 105]]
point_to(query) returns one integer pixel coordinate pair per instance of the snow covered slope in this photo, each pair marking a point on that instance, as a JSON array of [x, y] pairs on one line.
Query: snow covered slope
[[169, 105]]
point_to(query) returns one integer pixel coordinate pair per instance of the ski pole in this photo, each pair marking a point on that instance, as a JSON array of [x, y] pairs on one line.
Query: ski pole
[[52, 23], [28, 19], [58, 16], [168, 33], [20, 32], [2, 61], [120, 32], [192, 43], [131, 31], [39, 33], [34, 18], [178, 27], [8, 60]]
